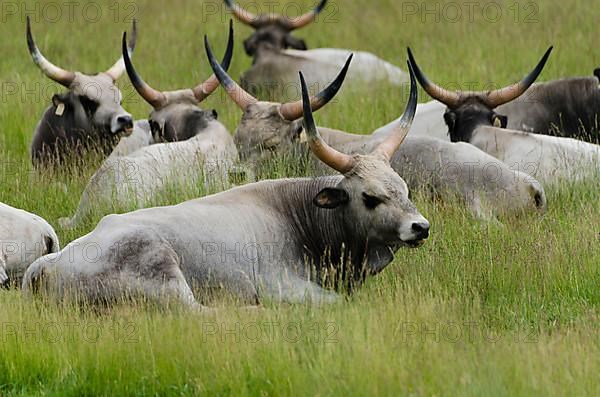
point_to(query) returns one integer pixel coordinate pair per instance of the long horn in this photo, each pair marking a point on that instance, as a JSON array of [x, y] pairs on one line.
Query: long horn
[[393, 142], [340, 162], [57, 74], [117, 70], [307, 18], [242, 15], [448, 98], [505, 95], [235, 92], [202, 91], [155, 98], [293, 110]]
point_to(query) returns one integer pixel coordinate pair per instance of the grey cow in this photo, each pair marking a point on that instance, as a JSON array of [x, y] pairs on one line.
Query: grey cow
[[286, 239]]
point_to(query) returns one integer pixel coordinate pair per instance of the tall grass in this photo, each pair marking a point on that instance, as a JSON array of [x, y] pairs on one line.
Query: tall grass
[[481, 309]]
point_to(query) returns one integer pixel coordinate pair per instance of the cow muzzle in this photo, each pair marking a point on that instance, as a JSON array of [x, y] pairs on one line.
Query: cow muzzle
[[122, 123]]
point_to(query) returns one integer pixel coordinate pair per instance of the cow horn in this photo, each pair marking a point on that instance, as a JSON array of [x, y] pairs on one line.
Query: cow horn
[[235, 92], [202, 91], [293, 110], [241, 14], [448, 98], [307, 18], [340, 162], [155, 98], [507, 94], [117, 70], [57, 74], [393, 142]]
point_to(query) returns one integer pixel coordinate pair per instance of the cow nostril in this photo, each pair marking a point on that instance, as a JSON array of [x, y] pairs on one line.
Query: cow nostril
[[421, 229], [539, 200], [125, 121]]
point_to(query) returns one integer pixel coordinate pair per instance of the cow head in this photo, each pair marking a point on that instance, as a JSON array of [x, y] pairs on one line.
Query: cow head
[[268, 127], [93, 102], [468, 110], [273, 31], [372, 197], [176, 115]]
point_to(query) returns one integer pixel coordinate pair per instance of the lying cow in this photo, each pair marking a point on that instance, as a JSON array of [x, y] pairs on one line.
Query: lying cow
[[487, 186], [88, 116], [566, 107], [198, 147], [287, 240], [278, 56], [470, 118], [24, 237]]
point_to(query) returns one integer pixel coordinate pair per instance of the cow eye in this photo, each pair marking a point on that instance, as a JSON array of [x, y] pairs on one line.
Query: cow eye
[[371, 202], [89, 104]]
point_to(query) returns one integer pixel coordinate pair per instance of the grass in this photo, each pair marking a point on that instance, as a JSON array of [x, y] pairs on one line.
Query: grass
[[481, 309]]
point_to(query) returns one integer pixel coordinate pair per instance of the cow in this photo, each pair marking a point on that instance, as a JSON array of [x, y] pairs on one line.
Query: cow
[[24, 237], [278, 56], [471, 118], [287, 240], [189, 144], [567, 107], [89, 116], [487, 186]]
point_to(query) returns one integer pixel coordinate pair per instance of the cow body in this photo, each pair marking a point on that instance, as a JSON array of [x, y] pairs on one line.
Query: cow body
[[139, 177], [547, 158], [429, 122], [567, 108], [275, 72], [24, 237], [487, 186], [263, 240]]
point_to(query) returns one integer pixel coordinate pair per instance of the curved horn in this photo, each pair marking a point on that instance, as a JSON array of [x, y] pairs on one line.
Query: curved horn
[[235, 92], [241, 14], [504, 95], [340, 162], [57, 74], [202, 91], [395, 139], [155, 98], [293, 110], [117, 70], [307, 18], [448, 98]]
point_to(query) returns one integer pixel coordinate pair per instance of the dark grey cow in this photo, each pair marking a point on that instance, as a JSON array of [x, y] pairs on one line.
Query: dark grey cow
[[287, 240], [468, 110], [88, 116], [278, 57], [470, 118], [567, 108], [176, 115]]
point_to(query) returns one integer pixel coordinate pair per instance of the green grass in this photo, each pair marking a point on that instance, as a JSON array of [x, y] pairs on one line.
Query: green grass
[[481, 309]]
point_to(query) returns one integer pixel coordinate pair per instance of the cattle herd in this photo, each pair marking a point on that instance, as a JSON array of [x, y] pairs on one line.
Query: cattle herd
[[294, 239]]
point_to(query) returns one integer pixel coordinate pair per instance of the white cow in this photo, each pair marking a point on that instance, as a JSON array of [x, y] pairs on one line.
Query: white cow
[[24, 237]]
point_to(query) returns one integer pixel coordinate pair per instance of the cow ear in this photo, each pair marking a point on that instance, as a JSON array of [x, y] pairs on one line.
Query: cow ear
[[499, 121], [59, 99], [250, 45], [450, 119], [597, 73], [296, 44], [331, 198]]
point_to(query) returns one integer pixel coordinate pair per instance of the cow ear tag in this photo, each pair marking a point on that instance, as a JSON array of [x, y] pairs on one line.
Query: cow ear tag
[[497, 122], [60, 109]]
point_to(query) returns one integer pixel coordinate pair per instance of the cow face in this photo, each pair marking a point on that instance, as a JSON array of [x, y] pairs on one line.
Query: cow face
[[179, 121], [375, 203], [274, 36], [100, 100], [463, 120], [263, 132]]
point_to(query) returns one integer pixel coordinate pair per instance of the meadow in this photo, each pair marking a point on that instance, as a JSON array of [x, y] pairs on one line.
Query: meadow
[[482, 309]]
